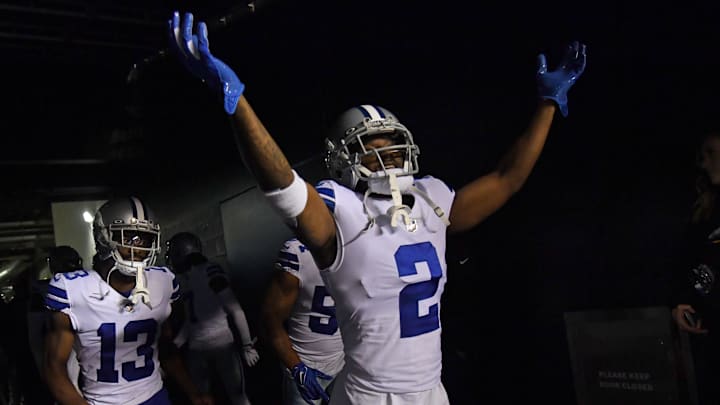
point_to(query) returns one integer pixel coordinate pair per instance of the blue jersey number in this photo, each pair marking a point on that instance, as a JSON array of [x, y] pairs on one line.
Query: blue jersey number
[[132, 331], [318, 305], [407, 258]]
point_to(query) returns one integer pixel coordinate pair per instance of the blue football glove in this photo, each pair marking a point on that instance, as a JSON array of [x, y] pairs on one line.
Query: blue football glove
[[307, 383], [555, 85], [194, 53]]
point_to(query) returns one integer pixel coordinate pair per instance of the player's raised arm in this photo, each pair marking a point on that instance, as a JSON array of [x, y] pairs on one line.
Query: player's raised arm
[[485, 195], [295, 200]]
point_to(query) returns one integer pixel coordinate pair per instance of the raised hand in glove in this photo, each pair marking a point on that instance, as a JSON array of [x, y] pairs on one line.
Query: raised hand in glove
[[194, 53], [554, 85]]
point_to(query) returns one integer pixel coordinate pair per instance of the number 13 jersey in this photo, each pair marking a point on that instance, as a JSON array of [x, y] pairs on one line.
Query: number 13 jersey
[[387, 283], [116, 347]]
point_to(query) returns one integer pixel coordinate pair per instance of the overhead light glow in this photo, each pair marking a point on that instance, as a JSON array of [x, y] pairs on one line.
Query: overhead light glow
[[88, 217]]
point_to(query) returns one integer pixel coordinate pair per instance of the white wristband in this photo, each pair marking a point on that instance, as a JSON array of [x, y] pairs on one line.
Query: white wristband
[[289, 201]]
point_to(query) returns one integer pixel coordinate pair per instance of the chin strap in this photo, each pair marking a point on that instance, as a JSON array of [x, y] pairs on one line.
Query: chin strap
[[140, 293], [400, 212], [398, 209]]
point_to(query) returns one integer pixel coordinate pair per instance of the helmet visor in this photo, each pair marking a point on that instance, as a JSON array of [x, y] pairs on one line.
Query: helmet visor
[[135, 245]]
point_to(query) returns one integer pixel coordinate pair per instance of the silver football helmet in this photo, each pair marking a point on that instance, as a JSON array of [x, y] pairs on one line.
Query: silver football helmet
[[345, 146], [126, 230], [347, 151]]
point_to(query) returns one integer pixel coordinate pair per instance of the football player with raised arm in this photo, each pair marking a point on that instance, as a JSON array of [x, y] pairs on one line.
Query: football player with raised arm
[[376, 232]]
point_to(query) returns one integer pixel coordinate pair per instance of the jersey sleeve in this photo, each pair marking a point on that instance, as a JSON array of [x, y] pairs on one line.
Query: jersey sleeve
[[288, 259], [326, 189], [57, 298]]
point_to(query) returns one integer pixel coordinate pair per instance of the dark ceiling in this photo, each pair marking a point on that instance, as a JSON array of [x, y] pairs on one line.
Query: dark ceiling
[[73, 122], [92, 108]]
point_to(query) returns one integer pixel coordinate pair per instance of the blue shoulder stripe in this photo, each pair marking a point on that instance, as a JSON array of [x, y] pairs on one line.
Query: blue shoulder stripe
[[288, 256], [291, 265], [58, 292], [330, 205], [326, 191], [56, 305], [327, 194]]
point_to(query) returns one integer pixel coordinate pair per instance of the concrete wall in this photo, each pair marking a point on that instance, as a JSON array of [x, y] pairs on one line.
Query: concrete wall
[[71, 229]]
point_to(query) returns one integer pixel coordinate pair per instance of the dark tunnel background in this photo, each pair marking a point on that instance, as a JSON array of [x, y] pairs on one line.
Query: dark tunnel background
[[595, 227]]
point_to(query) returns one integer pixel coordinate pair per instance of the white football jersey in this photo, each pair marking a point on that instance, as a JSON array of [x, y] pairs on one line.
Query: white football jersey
[[387, 283], [116, 342], [312, 326], [209, 327]]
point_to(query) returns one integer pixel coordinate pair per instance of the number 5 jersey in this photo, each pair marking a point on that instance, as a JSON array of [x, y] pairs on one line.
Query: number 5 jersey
[[312, 327], [116, 342]]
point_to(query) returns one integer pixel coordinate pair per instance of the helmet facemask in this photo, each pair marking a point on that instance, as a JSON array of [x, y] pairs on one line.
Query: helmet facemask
[[133, 246], [348, 154], [387, 169], [135, 249], [125, 231], [378, 165], [345, 156]]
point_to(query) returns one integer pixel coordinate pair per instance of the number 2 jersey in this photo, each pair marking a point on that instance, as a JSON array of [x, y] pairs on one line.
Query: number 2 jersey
[[387, 283], [116, 344], [312, 326]]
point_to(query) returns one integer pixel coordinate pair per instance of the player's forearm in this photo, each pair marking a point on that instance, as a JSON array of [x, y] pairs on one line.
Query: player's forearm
[[242, 326], [60, 385], [519, 161], [280, 342], [233, 308], [277, 336], [258, 149]]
